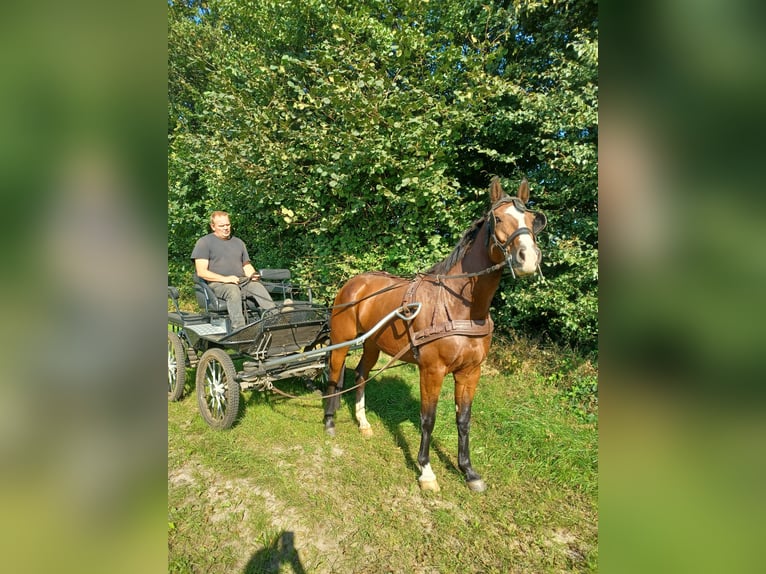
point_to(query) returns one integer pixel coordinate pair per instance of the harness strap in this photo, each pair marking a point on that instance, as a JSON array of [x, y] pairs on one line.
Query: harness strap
[[489, 270], [409, 296], [465, 327]]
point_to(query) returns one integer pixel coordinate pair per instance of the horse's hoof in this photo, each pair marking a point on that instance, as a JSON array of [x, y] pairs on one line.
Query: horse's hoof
[[366, 432], [330, 431], [429, 485], [477, 485]]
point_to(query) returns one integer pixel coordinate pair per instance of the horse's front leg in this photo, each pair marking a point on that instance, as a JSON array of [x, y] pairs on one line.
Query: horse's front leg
[[430, 386], [465, 388], [366, 363]]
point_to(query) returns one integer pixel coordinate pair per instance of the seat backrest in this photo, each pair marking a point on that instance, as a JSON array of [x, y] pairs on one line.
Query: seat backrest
[[206, 299], [173, 296], [277, 281], [275, 274]]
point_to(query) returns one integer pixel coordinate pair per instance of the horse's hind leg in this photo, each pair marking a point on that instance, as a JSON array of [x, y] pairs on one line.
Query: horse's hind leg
[[366, 363], [335, 384]]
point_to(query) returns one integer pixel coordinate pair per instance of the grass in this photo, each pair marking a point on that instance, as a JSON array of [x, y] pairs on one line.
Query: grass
[[275, 494]]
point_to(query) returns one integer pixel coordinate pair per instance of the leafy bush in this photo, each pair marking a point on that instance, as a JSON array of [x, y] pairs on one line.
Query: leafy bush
[[346, 137], [572, 373]]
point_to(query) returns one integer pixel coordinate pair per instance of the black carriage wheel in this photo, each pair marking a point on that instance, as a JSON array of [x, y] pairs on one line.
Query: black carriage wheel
[[322, 377], [217, 389], [176, 367]]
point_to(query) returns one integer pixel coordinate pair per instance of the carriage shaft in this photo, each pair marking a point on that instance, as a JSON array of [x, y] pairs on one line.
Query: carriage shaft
[[406, 312]]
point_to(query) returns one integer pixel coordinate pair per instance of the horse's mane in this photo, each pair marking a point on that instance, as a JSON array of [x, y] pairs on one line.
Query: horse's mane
[[443, 267]]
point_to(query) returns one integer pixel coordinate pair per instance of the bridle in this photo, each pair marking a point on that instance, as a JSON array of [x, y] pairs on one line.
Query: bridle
[[505, 246], [490, 218]]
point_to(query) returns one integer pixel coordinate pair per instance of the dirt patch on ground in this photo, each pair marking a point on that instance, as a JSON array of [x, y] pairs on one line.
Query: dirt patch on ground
[[568, 541], [231, 500]]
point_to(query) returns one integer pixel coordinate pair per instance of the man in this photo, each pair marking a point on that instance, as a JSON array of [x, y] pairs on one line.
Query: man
[[220, 259]]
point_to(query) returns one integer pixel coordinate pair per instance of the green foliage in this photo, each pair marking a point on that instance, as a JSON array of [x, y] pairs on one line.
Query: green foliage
[[577, 381], [572, 374], [583, 396], [564, 306], [350, 136]]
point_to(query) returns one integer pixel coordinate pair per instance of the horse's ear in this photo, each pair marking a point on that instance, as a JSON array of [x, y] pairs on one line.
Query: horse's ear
[[495, 190], [523, 194]]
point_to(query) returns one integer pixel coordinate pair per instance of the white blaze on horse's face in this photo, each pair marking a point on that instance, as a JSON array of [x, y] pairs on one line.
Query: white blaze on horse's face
[[526, 255]]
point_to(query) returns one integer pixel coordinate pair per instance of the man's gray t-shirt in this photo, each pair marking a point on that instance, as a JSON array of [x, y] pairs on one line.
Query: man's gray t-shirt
[[225, 256]]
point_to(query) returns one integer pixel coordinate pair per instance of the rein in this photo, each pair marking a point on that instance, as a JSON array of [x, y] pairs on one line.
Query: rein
[[451, 327], [387, 366], [378, 292], [404, 349], [488, 271]]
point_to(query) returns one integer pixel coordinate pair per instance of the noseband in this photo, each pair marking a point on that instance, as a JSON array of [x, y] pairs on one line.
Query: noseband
[[491, 222], [504, 247]]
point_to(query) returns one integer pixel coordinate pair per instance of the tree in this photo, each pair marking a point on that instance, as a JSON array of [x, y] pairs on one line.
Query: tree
[[350, 136]]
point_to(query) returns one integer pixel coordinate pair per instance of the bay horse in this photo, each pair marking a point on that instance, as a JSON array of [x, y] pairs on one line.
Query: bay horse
[[453, 330]]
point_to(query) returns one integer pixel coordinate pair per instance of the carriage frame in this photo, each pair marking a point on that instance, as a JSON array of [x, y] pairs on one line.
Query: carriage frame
[[291, 340]]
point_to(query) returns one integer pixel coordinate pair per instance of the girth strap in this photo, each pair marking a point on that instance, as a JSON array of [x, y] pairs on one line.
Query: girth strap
[[464, 327]]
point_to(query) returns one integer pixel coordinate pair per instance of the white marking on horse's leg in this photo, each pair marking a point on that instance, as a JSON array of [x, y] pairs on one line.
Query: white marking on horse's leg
[[427, 479], [364, 426]]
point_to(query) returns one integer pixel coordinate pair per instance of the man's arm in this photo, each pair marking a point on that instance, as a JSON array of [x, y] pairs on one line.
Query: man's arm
[[250, 271], [203, 272]]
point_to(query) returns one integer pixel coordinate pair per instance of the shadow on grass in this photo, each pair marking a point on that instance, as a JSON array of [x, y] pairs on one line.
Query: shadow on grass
[[270, 559], [396, 403], [301, 389], [389, 396]]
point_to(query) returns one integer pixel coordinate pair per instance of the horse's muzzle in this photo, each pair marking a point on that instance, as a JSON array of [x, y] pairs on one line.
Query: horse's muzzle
[[524, 260]]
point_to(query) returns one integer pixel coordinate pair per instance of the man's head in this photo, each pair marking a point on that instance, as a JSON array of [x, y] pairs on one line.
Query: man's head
[[220, 224]]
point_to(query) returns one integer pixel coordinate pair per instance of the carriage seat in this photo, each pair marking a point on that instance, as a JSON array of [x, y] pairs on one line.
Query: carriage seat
[[211, 303], [179, 317], [276, 281], [206, 299], [279, 284]]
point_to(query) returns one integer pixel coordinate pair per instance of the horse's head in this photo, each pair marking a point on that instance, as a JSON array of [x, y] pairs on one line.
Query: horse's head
[[513, 229]]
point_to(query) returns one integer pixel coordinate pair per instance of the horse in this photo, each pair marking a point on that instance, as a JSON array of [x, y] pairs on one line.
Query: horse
[[453, 330]]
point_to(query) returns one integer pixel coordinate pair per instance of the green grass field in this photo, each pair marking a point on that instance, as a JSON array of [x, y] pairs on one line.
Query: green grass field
[[276, 494]]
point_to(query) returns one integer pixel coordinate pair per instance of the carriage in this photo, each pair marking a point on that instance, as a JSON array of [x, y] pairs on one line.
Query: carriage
[[378, 311], [288, 341]]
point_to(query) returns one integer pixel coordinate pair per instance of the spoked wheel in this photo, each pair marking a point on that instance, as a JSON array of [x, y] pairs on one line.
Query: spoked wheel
[[320, 379], [176, 367], [217, 389]]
